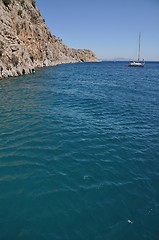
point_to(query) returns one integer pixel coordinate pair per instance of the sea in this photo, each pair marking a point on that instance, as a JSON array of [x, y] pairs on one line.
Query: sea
[[79, 153]]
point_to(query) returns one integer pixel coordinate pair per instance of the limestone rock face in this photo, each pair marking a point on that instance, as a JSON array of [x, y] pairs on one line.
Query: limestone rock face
[[26, 43]]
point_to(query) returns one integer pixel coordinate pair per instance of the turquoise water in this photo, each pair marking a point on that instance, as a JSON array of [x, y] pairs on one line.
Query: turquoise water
[[79, 153]]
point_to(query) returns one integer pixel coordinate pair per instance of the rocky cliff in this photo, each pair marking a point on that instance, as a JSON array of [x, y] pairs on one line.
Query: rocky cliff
[[26, 43]]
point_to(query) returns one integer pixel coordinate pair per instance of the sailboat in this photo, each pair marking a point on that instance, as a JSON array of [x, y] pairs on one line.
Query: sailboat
[[137, 63]]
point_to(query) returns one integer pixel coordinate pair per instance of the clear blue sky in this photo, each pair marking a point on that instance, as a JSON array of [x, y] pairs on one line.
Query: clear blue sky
[[110, 28]]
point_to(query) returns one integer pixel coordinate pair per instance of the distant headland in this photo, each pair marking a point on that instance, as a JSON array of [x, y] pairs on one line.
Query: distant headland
[[26, 43]]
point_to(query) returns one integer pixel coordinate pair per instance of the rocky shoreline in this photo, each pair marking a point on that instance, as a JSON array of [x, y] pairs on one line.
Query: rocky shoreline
[[26, 43]]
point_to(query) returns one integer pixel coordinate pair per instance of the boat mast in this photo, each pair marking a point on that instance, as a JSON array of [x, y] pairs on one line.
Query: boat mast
[[139, 47]]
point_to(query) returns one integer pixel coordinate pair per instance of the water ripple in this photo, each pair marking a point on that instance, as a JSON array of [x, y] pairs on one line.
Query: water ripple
[[79, 153]]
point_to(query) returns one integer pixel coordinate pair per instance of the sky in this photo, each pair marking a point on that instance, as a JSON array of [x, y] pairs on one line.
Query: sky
[[110, 28]]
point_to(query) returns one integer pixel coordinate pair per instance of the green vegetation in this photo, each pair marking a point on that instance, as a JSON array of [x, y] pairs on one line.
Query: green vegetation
[[15, 60], [18, 28], [20, 13], [1, 48], [1, 44], [34, 3], [33, 17], [22, 3], [6, 2]]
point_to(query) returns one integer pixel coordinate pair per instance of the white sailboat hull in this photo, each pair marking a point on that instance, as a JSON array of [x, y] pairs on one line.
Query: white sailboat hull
[[136, 64]]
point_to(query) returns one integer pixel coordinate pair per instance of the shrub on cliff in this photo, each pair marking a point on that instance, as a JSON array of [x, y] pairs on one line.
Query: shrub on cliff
[[1, 44], [1, 48], [20, 12], [15, 60], [22, 3], [33, 3], [6, 2]]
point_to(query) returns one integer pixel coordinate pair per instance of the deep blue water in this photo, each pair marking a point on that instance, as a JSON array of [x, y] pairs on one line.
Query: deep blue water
[[79, 153]]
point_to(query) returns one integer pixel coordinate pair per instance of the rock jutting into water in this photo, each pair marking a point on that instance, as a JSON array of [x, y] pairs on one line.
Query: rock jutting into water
[[26, 43]]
